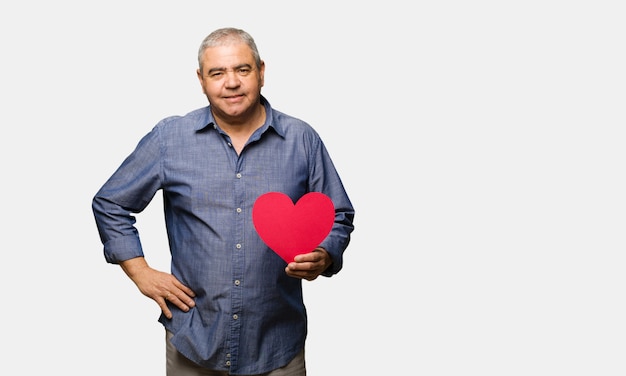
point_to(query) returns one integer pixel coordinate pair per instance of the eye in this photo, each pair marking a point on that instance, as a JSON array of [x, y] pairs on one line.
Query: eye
[[244, 71], [216, 74]]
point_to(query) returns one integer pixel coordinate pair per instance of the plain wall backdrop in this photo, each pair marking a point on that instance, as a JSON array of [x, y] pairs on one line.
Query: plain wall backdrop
[[482, 144]]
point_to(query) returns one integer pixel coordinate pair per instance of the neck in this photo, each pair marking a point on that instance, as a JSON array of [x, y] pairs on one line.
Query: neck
[[246, 125], [240, 131]]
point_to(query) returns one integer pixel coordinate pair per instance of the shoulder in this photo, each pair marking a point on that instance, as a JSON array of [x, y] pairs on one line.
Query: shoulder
[[291, 126], [197, 117], [190, 122]]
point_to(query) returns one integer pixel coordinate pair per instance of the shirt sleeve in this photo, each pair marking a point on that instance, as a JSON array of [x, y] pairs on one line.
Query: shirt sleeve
[[325, 179], [128, 191]]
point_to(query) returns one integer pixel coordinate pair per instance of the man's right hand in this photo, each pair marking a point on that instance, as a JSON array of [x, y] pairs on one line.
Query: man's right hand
[[159, 286]]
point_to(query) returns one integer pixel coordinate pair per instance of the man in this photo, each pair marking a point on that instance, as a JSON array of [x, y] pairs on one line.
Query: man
[[230, 305]]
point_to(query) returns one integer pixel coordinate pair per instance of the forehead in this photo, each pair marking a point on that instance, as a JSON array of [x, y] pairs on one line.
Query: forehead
[[229, 55]]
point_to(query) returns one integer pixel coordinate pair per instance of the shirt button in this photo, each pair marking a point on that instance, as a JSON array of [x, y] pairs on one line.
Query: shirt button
[[238, 210], [235, 317], [230, 145], [237, 282], [238, 246], [228, 363], [238, 175]]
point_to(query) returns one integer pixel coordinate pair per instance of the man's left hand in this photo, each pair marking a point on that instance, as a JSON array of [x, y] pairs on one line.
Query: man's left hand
[[309, 265]]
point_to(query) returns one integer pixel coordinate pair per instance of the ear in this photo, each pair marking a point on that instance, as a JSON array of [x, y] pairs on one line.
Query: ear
[[199, 74], [262, 73]]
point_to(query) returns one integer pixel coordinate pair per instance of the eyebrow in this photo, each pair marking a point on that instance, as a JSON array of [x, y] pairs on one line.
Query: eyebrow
[[234, 68]]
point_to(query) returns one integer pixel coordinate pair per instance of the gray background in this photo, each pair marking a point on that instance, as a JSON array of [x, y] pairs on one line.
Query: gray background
[[481, 142]]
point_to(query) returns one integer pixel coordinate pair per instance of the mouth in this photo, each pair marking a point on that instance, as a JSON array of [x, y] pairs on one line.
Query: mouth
[[230, 97]]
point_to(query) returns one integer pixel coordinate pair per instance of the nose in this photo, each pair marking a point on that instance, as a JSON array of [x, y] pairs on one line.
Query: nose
[[231, 78]]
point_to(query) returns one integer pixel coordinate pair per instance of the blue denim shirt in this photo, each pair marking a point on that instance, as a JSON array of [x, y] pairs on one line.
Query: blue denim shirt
[[249, 316]]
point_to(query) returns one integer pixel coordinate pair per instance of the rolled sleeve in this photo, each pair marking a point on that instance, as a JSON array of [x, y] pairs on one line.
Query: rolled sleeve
[[123, 248]]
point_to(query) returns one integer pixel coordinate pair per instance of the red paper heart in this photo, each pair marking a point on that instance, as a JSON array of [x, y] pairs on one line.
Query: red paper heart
[[289, 229]]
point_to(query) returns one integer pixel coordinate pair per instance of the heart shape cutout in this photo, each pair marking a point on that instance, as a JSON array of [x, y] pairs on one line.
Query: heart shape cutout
[[289, 229]]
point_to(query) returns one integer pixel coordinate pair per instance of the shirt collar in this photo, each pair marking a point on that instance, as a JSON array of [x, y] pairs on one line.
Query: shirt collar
[[207, 120]]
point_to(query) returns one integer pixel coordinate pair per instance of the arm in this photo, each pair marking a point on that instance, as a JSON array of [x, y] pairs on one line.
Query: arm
[[129, 190], [327, 258]]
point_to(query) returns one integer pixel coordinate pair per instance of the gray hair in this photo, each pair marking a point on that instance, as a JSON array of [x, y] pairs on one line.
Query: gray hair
[[226, 36]]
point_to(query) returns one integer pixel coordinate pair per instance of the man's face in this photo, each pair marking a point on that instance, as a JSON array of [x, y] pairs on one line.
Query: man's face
[[231, 81]]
